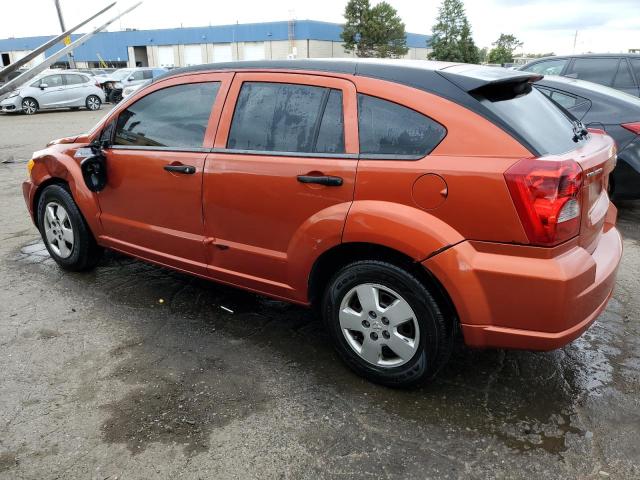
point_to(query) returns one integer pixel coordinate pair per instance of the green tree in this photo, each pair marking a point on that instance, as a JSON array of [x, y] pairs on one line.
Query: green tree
[[452, 40], [373, 31], [503, 49], [483, 53]]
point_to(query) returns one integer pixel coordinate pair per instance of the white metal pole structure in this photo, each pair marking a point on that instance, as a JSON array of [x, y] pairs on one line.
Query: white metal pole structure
[[29, 74], [72, 63], [30, 56]]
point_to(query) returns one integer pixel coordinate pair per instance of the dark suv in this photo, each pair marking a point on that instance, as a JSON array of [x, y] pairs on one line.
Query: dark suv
[[620, 71]]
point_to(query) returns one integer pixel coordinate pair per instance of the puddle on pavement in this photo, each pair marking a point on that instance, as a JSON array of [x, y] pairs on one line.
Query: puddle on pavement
[[525, 400]]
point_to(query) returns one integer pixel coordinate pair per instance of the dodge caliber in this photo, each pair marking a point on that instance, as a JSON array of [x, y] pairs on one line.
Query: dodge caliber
[[406, 201]]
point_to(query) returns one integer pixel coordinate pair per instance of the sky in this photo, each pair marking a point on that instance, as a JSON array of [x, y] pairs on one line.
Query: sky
[[542, 25]]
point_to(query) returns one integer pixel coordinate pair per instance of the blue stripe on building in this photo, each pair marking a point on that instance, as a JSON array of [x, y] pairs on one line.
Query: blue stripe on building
[[112, 46]]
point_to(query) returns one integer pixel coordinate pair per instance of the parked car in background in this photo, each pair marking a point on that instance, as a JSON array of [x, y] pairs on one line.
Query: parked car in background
[[478, 205], [611, 110], [620, 71], [117, 81], [55, 90], [134, 88]]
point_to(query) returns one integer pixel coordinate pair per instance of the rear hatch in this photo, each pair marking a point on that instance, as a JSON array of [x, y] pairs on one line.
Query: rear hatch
[[561, 191]]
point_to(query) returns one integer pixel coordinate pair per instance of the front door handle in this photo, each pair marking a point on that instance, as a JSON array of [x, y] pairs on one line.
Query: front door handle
[[321, 180], [186, 169]]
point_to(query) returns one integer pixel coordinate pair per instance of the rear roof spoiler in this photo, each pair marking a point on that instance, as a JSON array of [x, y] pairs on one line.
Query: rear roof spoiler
[[473, 77]]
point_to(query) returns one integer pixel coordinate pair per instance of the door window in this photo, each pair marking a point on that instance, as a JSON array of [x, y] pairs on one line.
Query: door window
[[623, 77], [635, 63], [387, 128], [283, 117], [50, 81], [76, 79], [548, 67], [598, 70], [172, 117]]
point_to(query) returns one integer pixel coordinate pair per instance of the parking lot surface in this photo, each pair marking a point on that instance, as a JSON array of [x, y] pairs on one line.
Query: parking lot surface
[[135, 371]]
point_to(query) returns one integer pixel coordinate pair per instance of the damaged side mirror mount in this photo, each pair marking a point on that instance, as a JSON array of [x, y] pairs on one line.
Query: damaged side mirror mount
[[94, 171]]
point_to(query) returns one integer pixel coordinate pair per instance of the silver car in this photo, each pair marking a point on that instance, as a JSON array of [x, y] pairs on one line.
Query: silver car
[[55, 90]]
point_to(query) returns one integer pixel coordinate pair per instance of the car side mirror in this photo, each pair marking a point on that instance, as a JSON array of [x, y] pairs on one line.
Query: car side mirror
[[94, 172], [43, 86], [130, 79]]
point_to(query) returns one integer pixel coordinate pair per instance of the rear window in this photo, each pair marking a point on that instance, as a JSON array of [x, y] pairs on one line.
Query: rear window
[[533, 116]]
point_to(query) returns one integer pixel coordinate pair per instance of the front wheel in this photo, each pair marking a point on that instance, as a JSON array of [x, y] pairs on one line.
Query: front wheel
[[29, 106], [93, 102], [386, 325], [64, 230]]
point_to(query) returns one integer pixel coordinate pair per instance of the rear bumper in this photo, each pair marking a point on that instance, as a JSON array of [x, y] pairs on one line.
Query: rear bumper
[[528, 298]]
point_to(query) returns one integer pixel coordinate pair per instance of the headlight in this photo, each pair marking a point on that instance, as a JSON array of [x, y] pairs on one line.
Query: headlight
[[30, 165], [117, 85], [15, 93]]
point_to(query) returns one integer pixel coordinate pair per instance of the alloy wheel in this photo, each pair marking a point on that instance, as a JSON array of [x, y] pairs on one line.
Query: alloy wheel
[[29, 106], [379, 325], [58, 230], [93, 103]]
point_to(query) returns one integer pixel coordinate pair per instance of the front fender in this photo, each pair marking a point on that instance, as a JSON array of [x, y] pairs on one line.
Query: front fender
[[409, 230], [57, 162]]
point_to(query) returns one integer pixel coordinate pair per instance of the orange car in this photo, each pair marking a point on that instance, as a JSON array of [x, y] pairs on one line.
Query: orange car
[[406, 200]]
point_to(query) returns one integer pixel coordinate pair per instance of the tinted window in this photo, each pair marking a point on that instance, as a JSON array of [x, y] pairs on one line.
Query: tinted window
[[635, 64], [146, 74], [548, 67], [171, 117], [282, 117], [331, 132], [76, 79], [623, 78], [387, 128], [536, 119], [598, 70]]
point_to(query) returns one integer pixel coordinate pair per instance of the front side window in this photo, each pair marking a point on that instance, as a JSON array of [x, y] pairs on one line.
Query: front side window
[[597, 70], [172, 117], [635, 63], [548, 67], [284, 117], [49, 81], [387, 128]]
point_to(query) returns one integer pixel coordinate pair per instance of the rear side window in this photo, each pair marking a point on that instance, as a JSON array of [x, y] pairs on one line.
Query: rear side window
[[391, 130], [283, 117], [75, 79], [172, 117], [532, 116], [548, 67], [598, 70]]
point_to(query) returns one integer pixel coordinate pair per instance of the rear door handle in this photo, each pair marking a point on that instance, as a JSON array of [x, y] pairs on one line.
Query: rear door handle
[[321, 180], [186, 169]]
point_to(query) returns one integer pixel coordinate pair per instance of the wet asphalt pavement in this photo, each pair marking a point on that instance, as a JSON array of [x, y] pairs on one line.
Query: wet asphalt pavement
[[135, 371]]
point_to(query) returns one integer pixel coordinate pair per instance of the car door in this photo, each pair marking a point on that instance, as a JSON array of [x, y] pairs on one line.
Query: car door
[[152, 203], [75, 90], [278, 186], [51, 91]]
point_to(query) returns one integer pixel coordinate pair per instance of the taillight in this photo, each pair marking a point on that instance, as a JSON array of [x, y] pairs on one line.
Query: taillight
[[547, 197], [632, 127]]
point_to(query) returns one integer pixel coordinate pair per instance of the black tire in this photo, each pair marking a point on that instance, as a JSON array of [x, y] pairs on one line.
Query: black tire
[[93, 103], [115, 96], [435, 330], [85, 253], [30, 106]]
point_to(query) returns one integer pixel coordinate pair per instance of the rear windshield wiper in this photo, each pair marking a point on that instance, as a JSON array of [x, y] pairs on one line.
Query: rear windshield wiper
[[579, 130]]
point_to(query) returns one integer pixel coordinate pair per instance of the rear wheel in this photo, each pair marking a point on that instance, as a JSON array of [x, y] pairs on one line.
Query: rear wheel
[[93, 102], [386, 325], [30, 106], [65, 232]]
